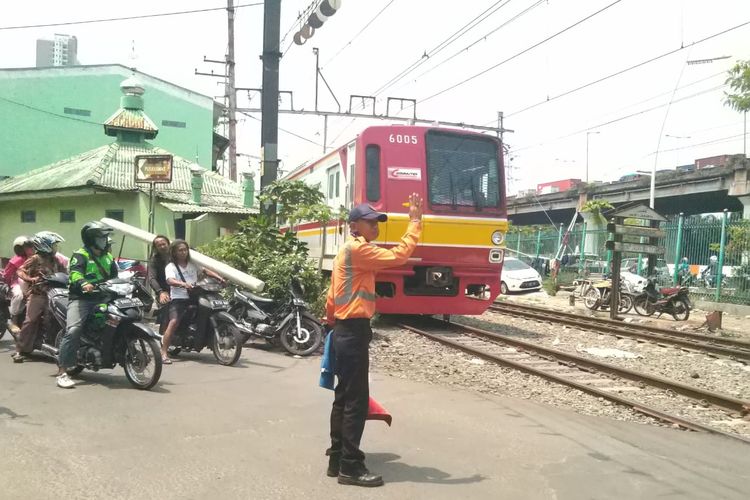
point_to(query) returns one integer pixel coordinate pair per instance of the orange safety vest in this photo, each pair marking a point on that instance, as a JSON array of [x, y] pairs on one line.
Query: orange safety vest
[[352, 290]]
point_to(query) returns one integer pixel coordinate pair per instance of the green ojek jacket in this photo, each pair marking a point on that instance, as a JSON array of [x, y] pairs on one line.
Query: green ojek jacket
[[83, 269]]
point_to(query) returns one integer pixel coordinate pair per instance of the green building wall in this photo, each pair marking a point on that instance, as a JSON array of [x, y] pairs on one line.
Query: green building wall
[[36, 129], [93, 206]]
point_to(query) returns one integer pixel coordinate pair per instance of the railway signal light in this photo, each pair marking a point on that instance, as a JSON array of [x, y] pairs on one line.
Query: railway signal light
[[325, 9]]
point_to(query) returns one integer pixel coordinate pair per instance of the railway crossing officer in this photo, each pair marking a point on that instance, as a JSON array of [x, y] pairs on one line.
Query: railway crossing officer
[[349, 306]]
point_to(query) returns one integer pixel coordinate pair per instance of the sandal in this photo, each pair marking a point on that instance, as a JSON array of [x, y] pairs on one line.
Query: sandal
[[18, 357], [165, 360]]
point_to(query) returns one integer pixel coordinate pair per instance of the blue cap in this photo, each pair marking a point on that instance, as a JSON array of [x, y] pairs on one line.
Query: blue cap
[[365, 211]]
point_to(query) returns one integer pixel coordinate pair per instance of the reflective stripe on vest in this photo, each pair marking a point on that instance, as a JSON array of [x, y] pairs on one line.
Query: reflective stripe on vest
[[349, 295]]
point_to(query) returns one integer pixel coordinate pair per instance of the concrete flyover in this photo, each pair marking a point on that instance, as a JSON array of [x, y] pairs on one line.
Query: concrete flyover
[[699, 191]]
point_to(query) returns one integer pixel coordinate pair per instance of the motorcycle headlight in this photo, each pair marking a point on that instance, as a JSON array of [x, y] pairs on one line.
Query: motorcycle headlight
[[121, 289], [498, 237]]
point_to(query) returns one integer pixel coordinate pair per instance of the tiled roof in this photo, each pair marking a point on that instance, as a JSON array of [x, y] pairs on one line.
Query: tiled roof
[[132, 119], [112, 167], [186, 208]]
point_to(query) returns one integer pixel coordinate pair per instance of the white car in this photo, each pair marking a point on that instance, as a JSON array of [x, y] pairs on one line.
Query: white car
[[517, 276]]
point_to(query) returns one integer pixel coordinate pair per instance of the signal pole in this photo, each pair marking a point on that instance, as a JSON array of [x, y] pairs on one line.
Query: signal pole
[[270, 95]]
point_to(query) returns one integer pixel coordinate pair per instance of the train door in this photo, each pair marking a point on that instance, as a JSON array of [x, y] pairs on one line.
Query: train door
[[404, 175]]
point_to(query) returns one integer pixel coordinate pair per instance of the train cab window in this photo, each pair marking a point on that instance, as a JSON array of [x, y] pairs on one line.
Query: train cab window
[[372, 170], [462, 170]]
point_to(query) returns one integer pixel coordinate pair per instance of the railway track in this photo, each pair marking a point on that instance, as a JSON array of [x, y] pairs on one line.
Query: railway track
[[736, 349], [593, 377]]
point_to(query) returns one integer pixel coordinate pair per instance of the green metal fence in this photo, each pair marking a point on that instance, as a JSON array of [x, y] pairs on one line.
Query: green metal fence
[[725, 237]]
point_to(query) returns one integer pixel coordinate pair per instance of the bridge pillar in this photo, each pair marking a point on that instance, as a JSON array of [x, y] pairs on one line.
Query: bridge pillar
[[595, 232], [745, 200], [740, 186]]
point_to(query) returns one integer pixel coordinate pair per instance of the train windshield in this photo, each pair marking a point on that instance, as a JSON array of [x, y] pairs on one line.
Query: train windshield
[[462, 170]]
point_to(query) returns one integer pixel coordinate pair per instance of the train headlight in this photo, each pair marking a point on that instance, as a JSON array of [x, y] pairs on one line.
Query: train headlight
[[498, 237]]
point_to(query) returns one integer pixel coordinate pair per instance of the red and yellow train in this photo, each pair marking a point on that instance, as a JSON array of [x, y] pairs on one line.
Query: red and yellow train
[[457, 264]]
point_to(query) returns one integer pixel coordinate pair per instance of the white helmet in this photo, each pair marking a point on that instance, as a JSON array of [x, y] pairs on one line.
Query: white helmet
[[714, 259], [21, 241]]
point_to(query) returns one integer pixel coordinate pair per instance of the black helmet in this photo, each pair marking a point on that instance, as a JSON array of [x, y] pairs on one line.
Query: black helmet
[[95, 234]]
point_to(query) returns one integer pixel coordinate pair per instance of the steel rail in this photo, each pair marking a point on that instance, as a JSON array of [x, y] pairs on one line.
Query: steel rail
[[729, 347], [641, 408]]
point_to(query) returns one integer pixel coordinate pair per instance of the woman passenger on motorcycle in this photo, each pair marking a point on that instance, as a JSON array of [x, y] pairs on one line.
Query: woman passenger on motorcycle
[[23, 249], [181, 275], [42, 264]]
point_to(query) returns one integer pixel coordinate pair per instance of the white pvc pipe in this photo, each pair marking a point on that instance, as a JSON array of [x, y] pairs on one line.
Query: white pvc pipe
[[219, 267]]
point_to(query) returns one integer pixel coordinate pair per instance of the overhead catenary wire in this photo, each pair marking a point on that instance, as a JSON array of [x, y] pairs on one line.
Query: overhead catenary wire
[[483, 37], [442, 45], [126, 18], [619, 119], [518, 54], [367, 25], [625, 70]]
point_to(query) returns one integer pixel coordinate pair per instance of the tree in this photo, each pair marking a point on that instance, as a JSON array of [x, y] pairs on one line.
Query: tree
[[262, 250], [738, 81], [595, 208]]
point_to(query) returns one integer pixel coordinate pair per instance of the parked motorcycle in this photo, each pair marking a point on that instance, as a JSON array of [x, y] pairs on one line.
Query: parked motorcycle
[[207, 324], [289, 322], [673, 301], [113, 334], [597, 296]]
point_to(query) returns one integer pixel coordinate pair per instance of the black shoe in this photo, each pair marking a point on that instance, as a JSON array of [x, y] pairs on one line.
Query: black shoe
[[363, 479], [334, 462]]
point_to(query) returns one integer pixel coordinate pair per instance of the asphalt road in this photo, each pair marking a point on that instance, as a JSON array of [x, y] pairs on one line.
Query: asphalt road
[[259, 431]]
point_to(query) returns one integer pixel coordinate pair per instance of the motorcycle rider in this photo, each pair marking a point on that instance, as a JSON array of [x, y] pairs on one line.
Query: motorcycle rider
[[36, 267], [90, 265], [710, 273], [181, 275], [683, 271], [23, 249]]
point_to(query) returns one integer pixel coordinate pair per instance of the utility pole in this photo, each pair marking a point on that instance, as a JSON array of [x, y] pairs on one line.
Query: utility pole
[[231, 93], [269, 134]]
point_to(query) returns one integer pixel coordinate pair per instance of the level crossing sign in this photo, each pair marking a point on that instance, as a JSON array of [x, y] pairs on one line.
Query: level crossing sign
[[632, 238]]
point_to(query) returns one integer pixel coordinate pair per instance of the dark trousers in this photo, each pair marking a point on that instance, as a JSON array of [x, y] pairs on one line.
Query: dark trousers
[[351, 340]]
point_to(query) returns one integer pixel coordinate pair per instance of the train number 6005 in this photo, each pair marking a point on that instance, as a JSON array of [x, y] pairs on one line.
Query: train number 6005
[[402, 139]]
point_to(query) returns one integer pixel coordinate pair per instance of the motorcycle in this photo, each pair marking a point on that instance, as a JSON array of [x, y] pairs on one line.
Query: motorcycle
[[709, 279], [597, 296], [673, 301], [113, 334], [207, 324], [289, 322]]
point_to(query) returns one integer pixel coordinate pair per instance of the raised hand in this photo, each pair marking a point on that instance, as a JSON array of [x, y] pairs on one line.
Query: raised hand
[[415, 207]]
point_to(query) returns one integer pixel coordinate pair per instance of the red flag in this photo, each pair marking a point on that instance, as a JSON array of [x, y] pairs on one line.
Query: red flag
[[376, 412]]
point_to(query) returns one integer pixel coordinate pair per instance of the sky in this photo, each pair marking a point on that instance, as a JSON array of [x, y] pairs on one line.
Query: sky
[[462, 62]]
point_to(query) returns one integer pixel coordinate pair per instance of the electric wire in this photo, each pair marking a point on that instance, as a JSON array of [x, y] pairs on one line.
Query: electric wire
[[625, 70], [52, 113], [619, 119], [518, 54], [484, 37], [348, 44], [442, 45], [125, 18], [283, 130]]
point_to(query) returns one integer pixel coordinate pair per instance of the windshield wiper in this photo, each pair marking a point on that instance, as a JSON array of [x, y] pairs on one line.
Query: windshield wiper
[[453, 191], [475, 194]]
